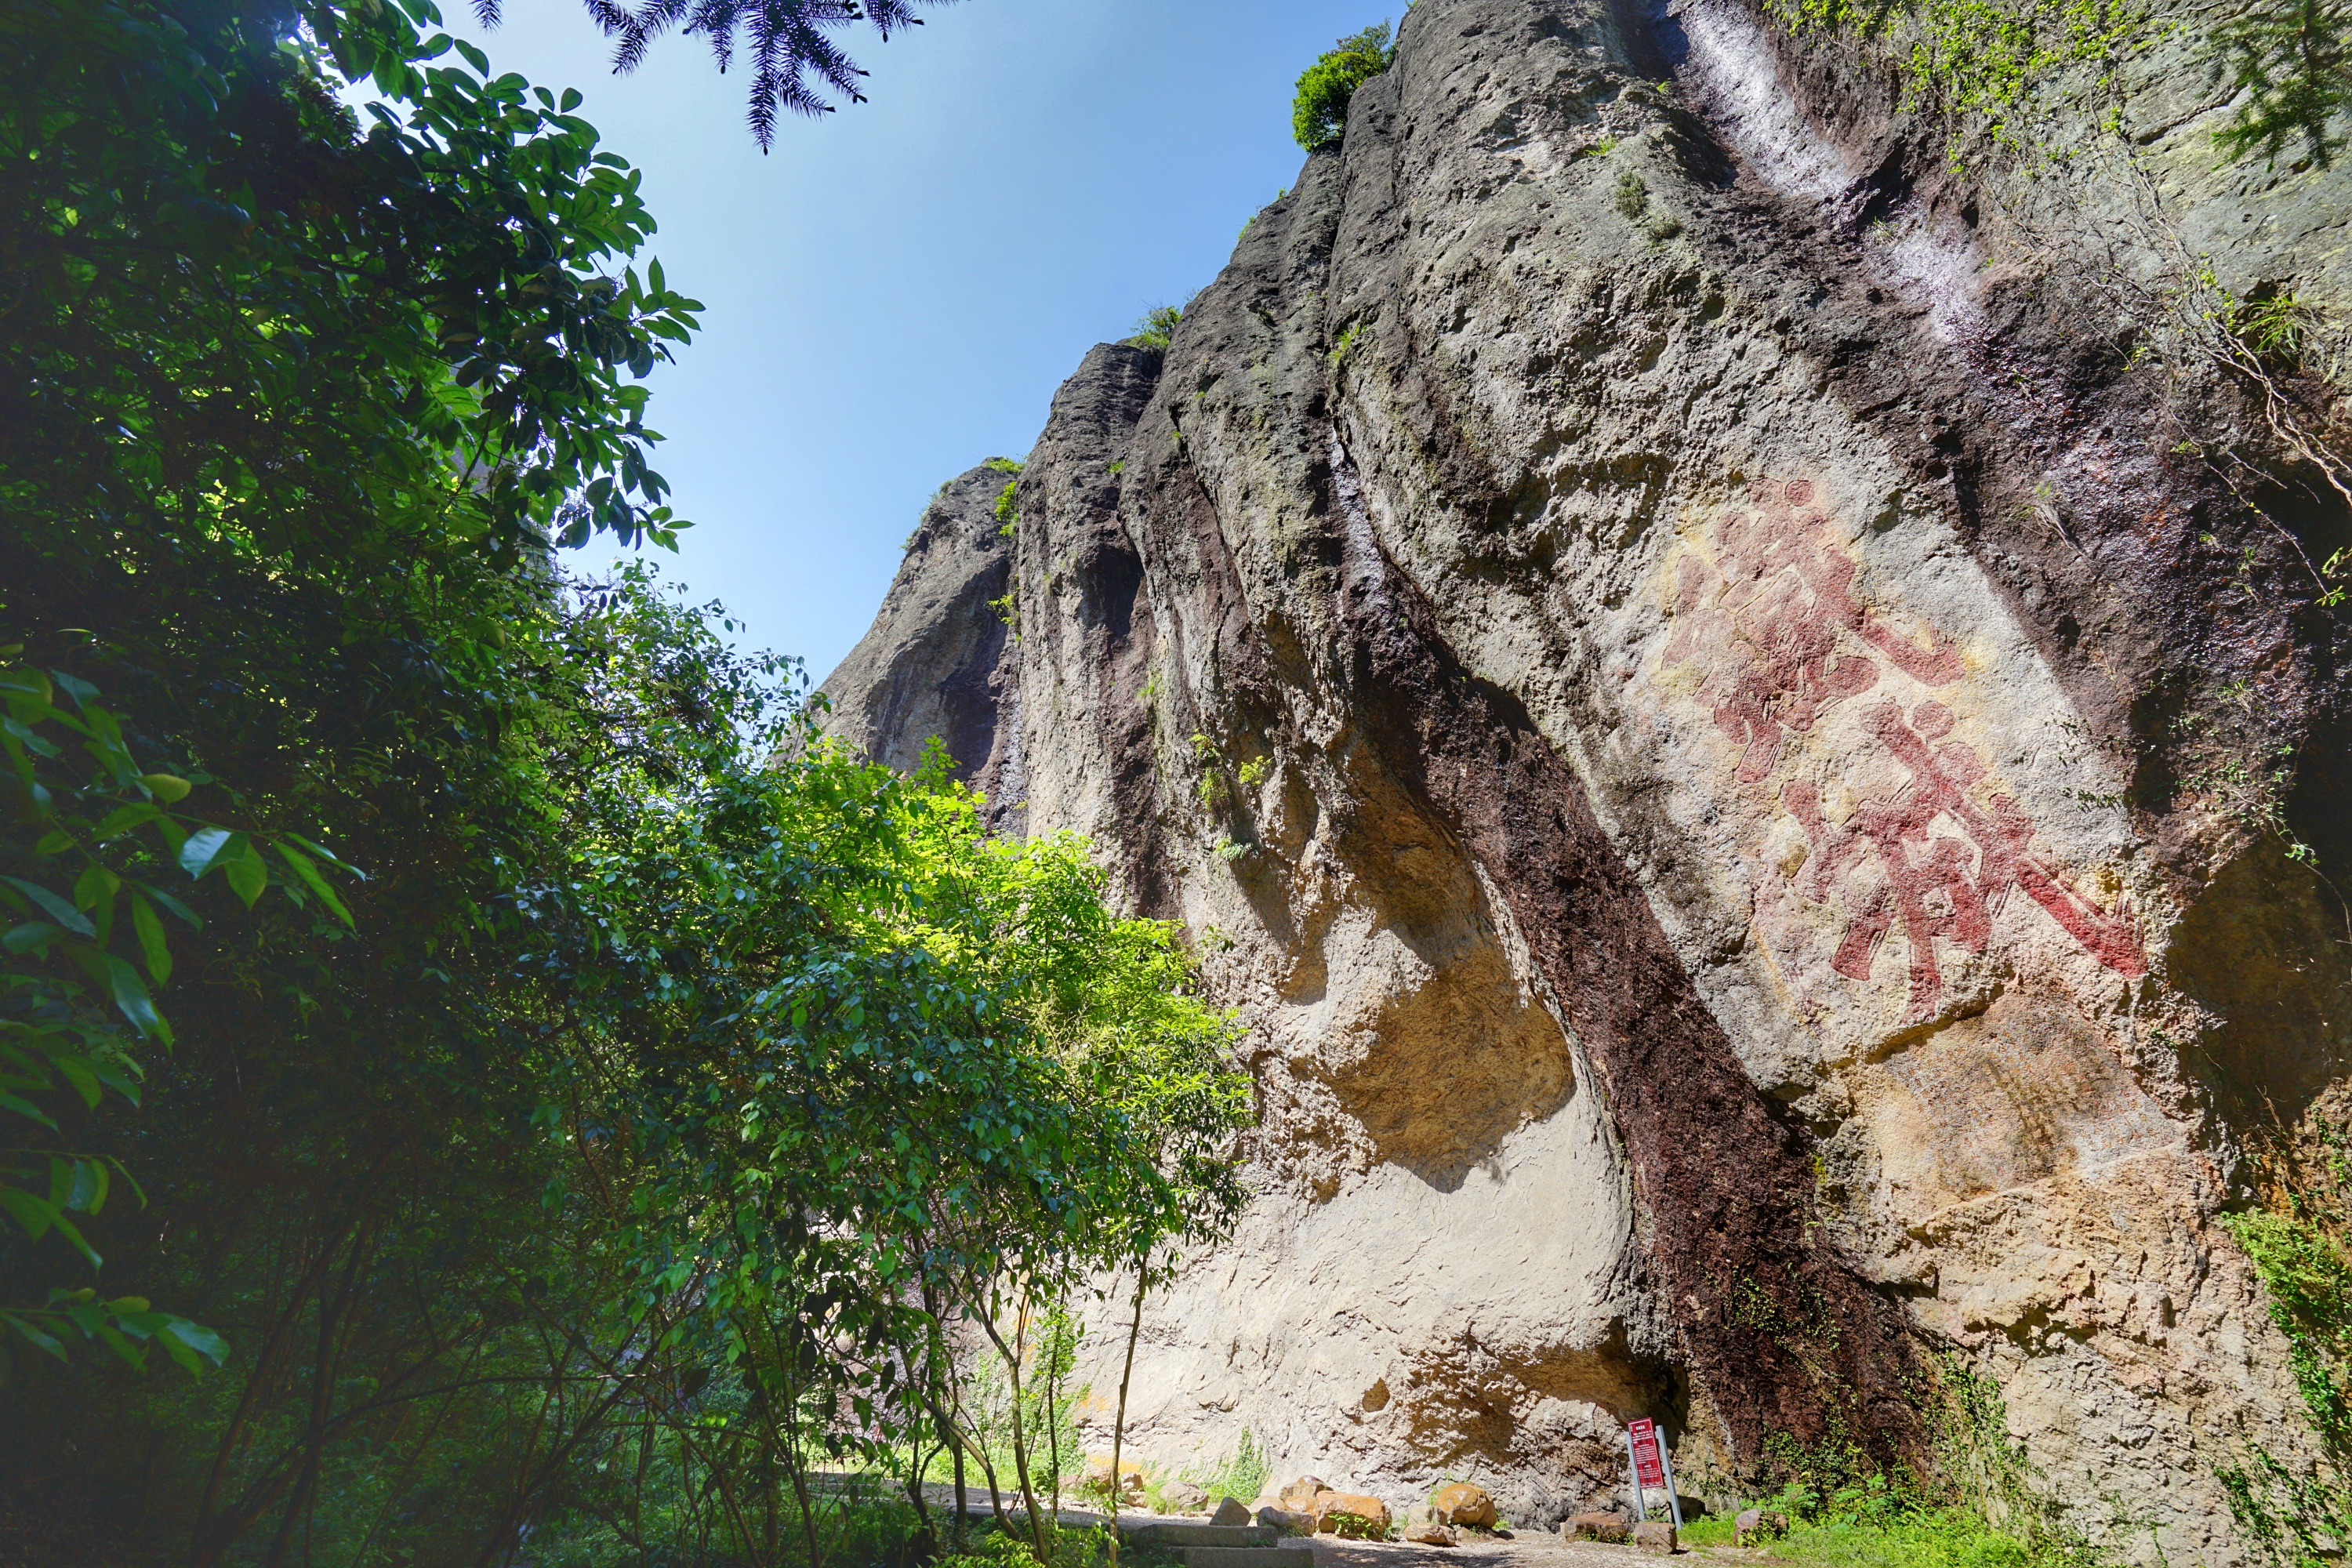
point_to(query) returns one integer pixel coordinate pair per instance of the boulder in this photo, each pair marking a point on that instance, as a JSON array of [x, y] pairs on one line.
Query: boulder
[[1130, 1477], [1463, 1502], [1656, 1535], [1351, 1515], [1613, 1528], [1429, 1532], [1183, 1497], [1299, 1493], [1755, 1526], [1287, 1522], [1230, 1512]]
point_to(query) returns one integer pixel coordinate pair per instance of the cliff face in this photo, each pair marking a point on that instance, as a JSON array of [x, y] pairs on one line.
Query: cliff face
[[1730, 695]]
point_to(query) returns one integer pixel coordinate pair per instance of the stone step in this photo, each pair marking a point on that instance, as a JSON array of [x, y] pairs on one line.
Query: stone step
[[1293, 1553], [1185, 1532]]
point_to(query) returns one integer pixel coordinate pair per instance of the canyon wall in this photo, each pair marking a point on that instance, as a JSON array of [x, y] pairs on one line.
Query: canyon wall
[[1726, 682]]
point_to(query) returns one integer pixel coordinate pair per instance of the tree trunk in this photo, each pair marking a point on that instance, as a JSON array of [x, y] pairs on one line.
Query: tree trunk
[[1053, 1409], [1019, 1445], [1119, 1423]]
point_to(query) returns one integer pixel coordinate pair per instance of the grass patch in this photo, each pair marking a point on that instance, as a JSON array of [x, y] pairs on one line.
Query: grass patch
[[1874, 1525], [1242, 1474]]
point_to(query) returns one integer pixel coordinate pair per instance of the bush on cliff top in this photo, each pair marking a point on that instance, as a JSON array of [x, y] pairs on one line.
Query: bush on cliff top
[[1156, 327], [1320, 113]]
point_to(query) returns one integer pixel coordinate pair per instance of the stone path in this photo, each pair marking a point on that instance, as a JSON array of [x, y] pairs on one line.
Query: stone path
[[1527, 1549], [1200, 1544]]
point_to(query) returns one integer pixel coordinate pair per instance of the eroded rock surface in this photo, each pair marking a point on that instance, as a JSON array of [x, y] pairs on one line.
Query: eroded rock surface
[[929, 667], [1679, 663]]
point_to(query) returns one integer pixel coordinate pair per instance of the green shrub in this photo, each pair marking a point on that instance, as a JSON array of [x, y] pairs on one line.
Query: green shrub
[[993, 1550], [1320, 113], [1156, 327]]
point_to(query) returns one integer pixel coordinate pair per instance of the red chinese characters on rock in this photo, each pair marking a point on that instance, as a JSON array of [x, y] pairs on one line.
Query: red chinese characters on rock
[[1783, 594], [1775, 623]]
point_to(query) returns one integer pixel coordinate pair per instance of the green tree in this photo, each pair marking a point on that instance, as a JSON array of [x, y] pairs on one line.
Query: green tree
[[1157, 329], [1318, 114], [864, 1075], [290, 417]]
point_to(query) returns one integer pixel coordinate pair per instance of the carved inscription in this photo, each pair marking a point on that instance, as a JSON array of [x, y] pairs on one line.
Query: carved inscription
[[1773, 624]]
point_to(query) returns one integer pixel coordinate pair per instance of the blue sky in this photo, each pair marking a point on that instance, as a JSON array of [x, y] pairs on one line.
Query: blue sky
[[896, 290]]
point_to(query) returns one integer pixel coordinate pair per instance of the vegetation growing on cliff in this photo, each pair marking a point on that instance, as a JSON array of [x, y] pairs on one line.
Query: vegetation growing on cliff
[[2288, 62], [2299, 1237], [1318, 114], [1157, 329], [1979, 58], [1982, 1509]]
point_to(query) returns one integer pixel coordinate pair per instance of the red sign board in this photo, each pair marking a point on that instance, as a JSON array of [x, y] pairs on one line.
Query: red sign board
[[1647, 1465]]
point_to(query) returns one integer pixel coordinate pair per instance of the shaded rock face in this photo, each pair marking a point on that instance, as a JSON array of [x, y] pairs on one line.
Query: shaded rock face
[[1682, 664], [931, 664]]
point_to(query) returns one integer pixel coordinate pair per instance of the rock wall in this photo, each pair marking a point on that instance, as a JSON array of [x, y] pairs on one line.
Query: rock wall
[[1687, 657]]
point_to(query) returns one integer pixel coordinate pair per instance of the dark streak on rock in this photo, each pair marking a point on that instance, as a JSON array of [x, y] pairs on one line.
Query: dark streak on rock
[[1783, 1335]]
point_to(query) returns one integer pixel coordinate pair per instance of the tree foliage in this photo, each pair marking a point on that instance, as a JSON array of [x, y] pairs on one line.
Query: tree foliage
[[789, 41], [233, 311], [93, 842], [1318, 114]]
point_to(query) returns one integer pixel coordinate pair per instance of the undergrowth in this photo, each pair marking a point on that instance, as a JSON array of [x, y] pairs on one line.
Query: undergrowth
[[2297, 1238], [1066, 1547], [1240, 1475], [868, 1526], [1982, 1509], [1873, 1524]]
